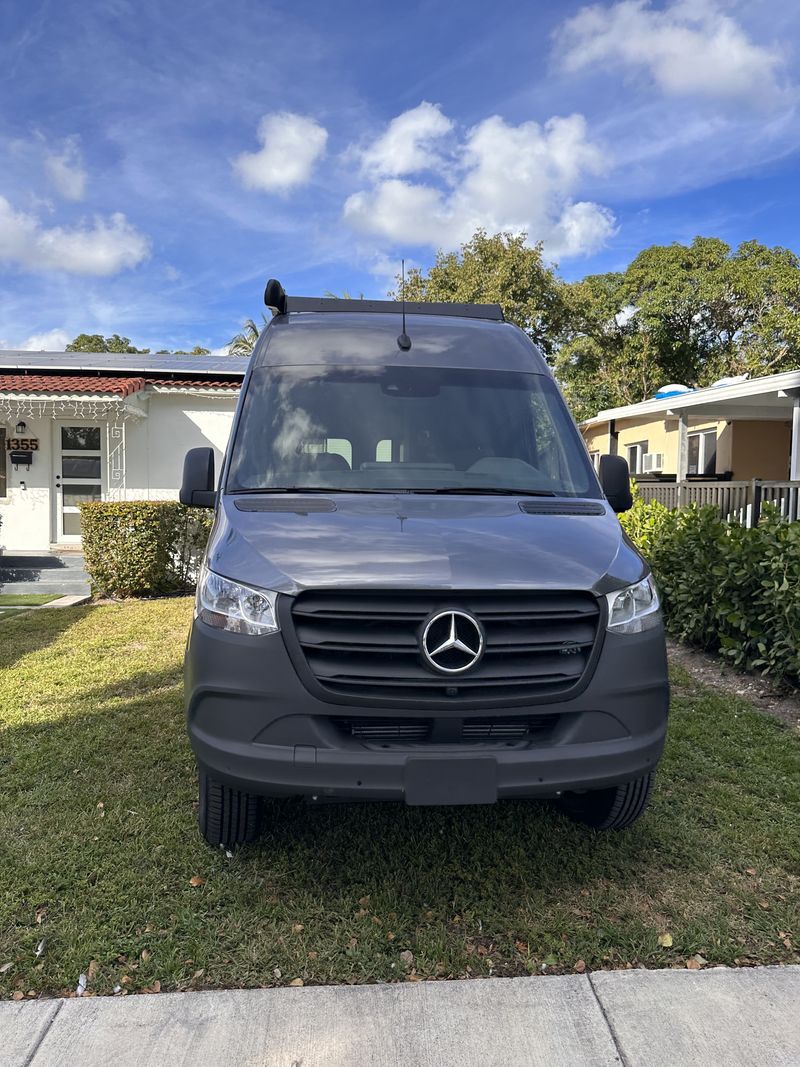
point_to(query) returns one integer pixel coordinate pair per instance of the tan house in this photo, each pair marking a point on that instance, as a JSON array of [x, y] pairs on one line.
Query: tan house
[[741, 431]]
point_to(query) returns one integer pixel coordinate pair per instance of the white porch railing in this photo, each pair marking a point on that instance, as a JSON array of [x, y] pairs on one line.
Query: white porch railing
[[733, 500], [785, 496]]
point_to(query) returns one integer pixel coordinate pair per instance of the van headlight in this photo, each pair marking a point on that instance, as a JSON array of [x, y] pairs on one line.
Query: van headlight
[[635, 608], [230, 606]]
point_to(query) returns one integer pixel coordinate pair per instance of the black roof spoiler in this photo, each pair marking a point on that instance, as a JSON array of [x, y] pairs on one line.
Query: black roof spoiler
[[280, 304]]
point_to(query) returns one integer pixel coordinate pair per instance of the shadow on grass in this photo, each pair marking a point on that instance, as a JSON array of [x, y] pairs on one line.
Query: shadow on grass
[[135, 757], [132, 745], [35, 629], [99, 828]]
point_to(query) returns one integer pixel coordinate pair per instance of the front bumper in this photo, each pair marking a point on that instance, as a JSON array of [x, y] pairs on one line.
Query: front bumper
[[254, 725]]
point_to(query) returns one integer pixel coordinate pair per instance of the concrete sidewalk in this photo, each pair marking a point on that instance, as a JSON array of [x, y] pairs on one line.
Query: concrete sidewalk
[[634, 1018]]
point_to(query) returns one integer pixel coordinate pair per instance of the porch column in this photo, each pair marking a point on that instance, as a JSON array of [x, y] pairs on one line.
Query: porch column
[[613, 437], [794, 465], [683, 458], [115, 457], [683, 446]]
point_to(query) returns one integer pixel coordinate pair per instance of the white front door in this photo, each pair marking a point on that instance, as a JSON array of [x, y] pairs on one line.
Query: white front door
[[79, 469]]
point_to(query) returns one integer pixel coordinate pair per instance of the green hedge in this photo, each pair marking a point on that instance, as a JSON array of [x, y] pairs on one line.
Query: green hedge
[[726, 588], [142, 547]]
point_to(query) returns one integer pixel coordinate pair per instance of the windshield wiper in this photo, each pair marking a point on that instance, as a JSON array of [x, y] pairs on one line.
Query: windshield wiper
[[483, 490]]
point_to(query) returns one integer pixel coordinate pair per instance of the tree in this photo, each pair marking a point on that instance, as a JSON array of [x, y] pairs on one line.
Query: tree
[[95, 342], [603, 360], [245, 341], [757, 312], [500, 269], [679, 313]]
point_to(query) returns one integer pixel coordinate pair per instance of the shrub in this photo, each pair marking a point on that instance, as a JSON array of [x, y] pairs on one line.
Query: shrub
[[726, 588], [142, 547]]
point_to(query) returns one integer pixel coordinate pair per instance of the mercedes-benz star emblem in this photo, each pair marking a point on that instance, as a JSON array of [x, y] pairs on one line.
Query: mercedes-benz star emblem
[[452, 642]]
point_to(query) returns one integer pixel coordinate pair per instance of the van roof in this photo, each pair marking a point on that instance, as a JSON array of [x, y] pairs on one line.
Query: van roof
[[339, 338]]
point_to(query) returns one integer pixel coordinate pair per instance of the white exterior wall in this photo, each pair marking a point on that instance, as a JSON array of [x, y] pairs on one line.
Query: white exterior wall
[[155, 446], [154, 451], [25, 511]]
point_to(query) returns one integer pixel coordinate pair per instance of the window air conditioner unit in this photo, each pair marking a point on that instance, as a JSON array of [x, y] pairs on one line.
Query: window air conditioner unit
[[652, 462]]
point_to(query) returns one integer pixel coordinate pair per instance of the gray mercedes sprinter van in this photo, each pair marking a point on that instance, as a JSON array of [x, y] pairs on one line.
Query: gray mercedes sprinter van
[[416, 588]]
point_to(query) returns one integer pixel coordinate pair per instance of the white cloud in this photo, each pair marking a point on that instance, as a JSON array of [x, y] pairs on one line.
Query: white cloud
[[407, 144], [290, 146], [102, 248], [50, 341], [66, 171], [689, 48], [55, 340], [583, 227], [502, 177], [386, 269]]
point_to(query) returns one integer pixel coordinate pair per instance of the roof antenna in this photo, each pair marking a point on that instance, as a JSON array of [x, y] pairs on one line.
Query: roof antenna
[[403, 341]]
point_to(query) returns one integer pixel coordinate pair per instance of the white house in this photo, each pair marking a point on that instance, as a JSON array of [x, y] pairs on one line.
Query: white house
[[76, 426]]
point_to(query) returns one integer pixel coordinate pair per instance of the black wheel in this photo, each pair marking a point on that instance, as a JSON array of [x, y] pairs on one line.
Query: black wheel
[[610, 809], [227, 816]]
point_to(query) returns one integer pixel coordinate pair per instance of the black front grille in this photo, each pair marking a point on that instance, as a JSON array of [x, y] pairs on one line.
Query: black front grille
[[364, 647]]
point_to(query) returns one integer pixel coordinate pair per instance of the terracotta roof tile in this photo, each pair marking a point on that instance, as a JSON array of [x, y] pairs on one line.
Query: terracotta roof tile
[[122, 387], [69, 383]]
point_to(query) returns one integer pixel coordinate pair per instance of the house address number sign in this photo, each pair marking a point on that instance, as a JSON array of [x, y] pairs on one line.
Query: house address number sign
[[22, 444]]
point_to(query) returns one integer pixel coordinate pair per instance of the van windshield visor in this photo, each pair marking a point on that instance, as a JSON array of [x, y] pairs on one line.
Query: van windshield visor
[[423, 429]]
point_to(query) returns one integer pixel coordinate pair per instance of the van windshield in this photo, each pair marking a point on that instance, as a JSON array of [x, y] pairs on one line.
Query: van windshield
[[424, 429]]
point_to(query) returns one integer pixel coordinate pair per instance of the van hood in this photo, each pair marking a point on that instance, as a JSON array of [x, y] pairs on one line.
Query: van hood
[[414, 541]]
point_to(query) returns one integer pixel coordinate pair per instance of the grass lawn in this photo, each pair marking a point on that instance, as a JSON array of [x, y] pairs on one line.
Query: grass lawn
[[102, 871], [26, 600]]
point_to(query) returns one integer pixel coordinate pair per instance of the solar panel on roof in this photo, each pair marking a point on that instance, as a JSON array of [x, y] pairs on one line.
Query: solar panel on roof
[[75, 362]]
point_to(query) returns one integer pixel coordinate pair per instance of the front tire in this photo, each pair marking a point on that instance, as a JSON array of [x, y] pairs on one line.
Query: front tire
[[227, 816], [614, 808]]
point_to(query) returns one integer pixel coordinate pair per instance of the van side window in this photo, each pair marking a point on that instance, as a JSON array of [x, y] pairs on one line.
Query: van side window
[[340, 446], [337, 446], [383, 451]]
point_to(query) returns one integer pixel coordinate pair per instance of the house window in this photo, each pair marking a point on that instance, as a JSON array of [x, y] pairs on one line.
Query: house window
[[635, 453], [3, 478], [702, 452], [595, 458]]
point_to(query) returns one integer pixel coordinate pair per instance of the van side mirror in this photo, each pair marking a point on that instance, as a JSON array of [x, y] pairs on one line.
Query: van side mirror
[[197, 487], [615, 479]]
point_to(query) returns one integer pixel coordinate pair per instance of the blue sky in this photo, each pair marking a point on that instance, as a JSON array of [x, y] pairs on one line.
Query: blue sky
[[160, 160]]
